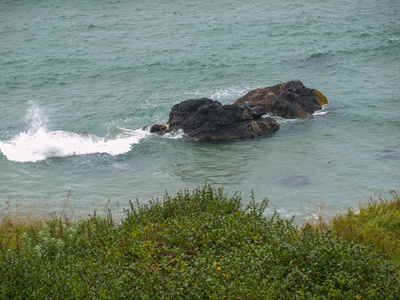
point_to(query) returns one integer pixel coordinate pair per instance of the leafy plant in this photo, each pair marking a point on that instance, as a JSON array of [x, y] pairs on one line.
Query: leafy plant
[[199, 244]]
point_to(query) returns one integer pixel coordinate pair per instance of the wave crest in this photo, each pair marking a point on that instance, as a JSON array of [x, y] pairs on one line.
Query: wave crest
[[37, 143]]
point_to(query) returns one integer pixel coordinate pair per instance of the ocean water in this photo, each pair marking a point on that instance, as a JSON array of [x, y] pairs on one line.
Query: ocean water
[[111, 67]]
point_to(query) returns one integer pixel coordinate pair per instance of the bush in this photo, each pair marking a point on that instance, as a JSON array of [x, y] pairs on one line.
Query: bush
[[195, 245]]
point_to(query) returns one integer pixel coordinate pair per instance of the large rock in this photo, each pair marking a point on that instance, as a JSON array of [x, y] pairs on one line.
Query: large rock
[[289, 100], [208, 120]]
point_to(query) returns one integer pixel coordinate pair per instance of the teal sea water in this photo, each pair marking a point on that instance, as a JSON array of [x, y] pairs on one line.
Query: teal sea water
[[111, 67]]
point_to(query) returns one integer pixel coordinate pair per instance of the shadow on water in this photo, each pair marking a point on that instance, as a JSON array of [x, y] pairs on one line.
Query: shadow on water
[[313, 60], [388, 154], [223, 163], [296, 181]]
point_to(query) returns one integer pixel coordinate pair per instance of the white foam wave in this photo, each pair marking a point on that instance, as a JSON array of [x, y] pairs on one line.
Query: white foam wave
[[323, 111], [279, 119], [175, 135], [286, 214], [226, 95], [320, 113], [283, 120], [38, 143], [42, 144]]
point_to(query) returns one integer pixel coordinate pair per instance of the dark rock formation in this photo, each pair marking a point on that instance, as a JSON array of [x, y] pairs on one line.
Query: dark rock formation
[[208, 120], [159, 128], [289, 100]]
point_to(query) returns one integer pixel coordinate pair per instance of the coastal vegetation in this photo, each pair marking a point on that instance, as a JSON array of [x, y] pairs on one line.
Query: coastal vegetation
[[376, 223], [203, 244]]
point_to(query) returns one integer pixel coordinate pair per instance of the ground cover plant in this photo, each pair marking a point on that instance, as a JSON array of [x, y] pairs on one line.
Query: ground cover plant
[[198, 244], [376, 223]]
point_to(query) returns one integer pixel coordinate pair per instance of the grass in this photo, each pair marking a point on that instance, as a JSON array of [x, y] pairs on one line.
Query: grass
[[377, 223], [198, 244]]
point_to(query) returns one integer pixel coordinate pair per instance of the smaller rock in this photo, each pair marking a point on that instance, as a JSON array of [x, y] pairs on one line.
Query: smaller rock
[[289, 100], [159, 128]]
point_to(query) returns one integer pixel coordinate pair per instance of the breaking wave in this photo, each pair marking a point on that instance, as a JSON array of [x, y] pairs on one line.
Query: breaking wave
[[38, 143]]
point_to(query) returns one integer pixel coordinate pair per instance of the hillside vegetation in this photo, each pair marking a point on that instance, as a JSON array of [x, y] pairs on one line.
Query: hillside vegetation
[[202, 244]]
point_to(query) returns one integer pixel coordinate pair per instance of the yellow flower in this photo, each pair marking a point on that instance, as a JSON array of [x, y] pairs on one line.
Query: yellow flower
[[303, 269], [217, 266]]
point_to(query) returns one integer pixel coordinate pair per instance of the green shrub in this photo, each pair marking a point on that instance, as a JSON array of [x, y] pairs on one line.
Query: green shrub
[[199, 244]]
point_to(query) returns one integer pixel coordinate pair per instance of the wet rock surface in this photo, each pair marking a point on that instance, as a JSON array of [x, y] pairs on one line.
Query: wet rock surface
[[289, 100], [208, 120]]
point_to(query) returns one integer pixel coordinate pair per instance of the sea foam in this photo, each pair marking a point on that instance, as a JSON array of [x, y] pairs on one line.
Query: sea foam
[[38, 143]]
